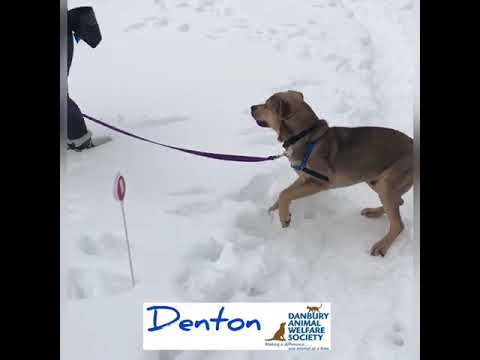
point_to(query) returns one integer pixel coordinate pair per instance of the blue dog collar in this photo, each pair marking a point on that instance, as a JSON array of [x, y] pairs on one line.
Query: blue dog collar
[[307, 156], [303, 164]]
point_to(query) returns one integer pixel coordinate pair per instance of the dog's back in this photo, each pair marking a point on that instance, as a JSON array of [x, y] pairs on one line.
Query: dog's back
[[364, 152]]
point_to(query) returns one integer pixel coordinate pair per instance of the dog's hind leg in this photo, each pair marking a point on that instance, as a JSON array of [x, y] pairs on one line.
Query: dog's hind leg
[[393, 184], [392, 209], [377, 211]]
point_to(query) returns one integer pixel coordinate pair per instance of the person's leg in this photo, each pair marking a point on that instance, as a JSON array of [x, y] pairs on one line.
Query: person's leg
[[78, 135]]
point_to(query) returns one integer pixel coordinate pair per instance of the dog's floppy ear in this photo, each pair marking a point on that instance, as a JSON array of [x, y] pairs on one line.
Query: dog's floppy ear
[[281, 107], [297, 94], [284, 109]]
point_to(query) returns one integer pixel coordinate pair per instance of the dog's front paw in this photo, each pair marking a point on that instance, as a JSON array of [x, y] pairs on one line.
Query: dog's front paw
[[380, 248], [286, 222]]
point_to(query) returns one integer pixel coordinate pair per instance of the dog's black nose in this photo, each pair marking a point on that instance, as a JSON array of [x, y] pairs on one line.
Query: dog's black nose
[[253, 108]]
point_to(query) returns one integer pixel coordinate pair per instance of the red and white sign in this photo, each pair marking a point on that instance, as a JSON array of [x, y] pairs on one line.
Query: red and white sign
[[119, 187]]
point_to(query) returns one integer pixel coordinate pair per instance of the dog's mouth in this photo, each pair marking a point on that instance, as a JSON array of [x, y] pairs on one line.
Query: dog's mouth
[[261, 123]]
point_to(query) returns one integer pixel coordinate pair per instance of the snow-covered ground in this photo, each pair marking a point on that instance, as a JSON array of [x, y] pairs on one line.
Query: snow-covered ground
[[185, 72]]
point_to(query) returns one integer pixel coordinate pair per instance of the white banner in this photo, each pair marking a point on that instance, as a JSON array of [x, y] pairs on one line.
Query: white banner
[[237, 326]]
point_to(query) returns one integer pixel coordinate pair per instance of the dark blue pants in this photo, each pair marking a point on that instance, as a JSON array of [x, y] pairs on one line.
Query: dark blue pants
[[76, 127]]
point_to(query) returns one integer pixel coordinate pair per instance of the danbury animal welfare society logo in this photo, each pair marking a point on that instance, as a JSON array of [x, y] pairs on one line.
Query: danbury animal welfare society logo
[[237, 326], [305, 330]]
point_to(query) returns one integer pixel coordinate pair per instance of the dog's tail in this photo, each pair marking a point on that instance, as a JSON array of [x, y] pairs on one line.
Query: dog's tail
[[269, 339]]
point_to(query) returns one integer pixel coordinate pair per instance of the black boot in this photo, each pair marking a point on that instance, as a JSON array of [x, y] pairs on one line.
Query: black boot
[[82, 143], [86, 145]]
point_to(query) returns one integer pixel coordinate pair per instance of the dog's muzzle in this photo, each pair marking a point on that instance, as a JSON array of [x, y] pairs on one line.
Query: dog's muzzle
[[261, 123]]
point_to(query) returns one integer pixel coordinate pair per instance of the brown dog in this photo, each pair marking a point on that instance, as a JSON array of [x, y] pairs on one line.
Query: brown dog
[[314, 308], [340, 156]]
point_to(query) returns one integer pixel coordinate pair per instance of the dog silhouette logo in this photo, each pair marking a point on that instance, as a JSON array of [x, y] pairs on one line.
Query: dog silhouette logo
[[279, 334], [314, 308]]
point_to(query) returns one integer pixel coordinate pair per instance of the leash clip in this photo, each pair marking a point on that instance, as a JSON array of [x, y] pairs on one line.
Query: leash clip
[[275, 157]]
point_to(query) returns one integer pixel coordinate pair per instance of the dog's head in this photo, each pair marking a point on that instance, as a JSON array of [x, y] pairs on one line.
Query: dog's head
[[285, 112], [282, 324]]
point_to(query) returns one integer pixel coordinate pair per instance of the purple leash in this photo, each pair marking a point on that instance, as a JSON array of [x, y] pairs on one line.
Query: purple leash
[[226, 157]]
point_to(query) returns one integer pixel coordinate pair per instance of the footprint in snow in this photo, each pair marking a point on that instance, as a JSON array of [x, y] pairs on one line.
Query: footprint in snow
[[272, 31], [83, 282], [255, 291], [408, 6], [86, 283], [397, 336], [365, 64], [256, 190], [135, 26], [305, 53], [207, 282], [280, 46], [330, 58], [106, 245], [113, 283], [160, 3], [78, 285], [209, 250], [298, 33], [183, 28], [254, 223], [160, 22], [156, 21], [74, 212], [365, 40]]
